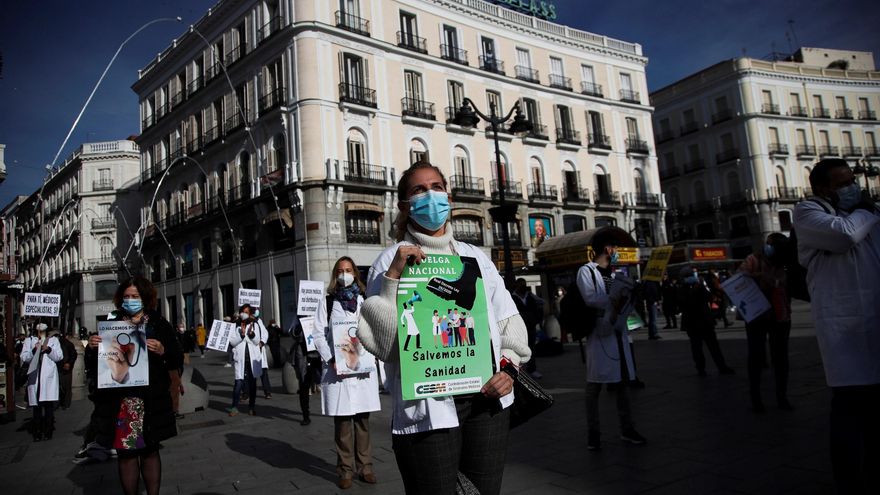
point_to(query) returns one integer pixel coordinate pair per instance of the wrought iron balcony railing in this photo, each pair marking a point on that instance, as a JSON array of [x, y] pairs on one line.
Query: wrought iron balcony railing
[[778, 149], [595, 140], [844, 114], [851, 151], [454, 53], [722, 115], [606, 198], [492, 64], [821, 113], [694, 165], [421, 109], [412, 42], [102, 184], [267, 30], [829, 151], [798, 111], [867, 115], [786, 193], [806, 150], [770, 108], [467, 185], [194, 85], [635, 145], [272, 99], [539, 131], [669, 172], [537, 191], [689, 127], [591, 89], [361, 235], [647, 199], [526, 73], [359, 95], [512, 189], [568, 136], [630, 96], [663, 136], [364, 173], [576, 195], [559, 81], [353, 23]]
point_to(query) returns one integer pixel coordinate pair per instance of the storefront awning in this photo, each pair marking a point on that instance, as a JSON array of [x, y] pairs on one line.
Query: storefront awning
[[574, 249]]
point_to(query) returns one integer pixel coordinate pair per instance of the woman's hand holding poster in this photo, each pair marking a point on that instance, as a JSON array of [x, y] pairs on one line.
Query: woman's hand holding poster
[[122, 355], [443, 328]]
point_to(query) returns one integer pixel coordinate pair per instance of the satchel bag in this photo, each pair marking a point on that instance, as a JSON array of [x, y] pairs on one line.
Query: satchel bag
[[529, 398]]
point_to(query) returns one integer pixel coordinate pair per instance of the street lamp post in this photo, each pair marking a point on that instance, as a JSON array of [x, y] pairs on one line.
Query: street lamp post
[[868, 170], [468, 116]]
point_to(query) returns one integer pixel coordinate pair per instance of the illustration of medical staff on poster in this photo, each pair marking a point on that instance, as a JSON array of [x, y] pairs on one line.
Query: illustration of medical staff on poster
[[443, 328], [122, 355]]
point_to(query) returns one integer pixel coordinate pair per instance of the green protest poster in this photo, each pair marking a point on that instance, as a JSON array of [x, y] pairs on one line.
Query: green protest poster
[[443, 328]]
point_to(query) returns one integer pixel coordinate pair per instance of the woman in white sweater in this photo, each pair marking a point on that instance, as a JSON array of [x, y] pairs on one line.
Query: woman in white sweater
[[435, 439]]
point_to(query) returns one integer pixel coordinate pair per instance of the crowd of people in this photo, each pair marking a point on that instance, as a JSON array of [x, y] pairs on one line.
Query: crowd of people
[[462, 439]]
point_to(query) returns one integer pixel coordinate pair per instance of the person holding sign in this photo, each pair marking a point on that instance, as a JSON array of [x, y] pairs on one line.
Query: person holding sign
[[349, 397], [247, 343], [40, 354], [698, 321], [135, 419], [437, 438], [767, 269]]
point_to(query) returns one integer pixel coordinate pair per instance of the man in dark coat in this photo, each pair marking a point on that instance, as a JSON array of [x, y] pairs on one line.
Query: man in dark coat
[[65, 369]]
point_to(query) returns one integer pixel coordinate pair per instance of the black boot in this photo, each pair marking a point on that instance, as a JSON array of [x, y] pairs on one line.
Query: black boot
[[37, 429], [304, 406], [48, 428]]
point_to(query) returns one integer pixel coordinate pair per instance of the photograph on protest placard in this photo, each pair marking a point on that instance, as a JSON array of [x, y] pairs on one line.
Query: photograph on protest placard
[[443, 328], [122, 355], [218, 339], [351, 357]]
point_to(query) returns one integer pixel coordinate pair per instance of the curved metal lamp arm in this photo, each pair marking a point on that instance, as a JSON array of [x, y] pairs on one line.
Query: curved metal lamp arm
[[488, 118]]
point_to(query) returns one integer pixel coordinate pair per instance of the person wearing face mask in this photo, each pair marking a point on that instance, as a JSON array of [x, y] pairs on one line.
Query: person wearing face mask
[[767, 269], [698, 320], [247, 343], [348, 398], [838, 242], [609, 355], [134, 420], [437, 439], [40, 354]]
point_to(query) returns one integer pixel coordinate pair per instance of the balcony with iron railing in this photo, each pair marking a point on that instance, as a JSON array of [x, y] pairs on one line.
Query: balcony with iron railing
[[107, 263], [269, 29], [492, 64], [211, 135], [103, 223], [726, 155], [770, 108], [420, 109], [785, 193], [694, 165], [538, 131], [233, 123], [272, 99], [466, 185], [364, 173], [512, 189], [566, 135], [357, 95], [867, 115], [722, 115], [843, 114], [796, 111], [195, 211], [606, 198], [238, 194], [630, 96], [412, 42], [214, 70], [503, 128], [102, 185], [559, 81], [596, 140], [454, 54], [355, 234], [526, 73], [778, 149], [575, 195], [669, 172], [850, 151], [353, 23], [828, 151], [649, 200], [148, 121], [177, 98], [805, 150], [591, 89], [689, 127], [872, 151], [538, 192], [235, 54], [821, 113], [194, 85], [636, 145]]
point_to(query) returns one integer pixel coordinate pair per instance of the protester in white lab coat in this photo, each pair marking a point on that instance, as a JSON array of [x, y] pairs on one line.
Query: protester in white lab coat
[[41, 353], [348, 398], [610, 295], [838, 239], [264, 376], [247, 343]]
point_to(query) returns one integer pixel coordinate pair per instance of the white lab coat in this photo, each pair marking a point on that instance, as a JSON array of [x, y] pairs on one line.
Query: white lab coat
[[343, 395], [407, 319], [46, 379], [253, 346], [602, 348], [842, 256]]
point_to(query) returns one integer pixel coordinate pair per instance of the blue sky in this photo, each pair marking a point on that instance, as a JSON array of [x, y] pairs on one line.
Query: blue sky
[[51, 62]]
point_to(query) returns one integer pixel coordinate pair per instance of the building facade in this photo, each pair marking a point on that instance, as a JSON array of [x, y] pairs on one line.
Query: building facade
[[269, 176], [736, 141], [72, 241]]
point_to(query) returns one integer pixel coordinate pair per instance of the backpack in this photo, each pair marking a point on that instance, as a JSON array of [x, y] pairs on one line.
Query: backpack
[[575, 317], [795, 273]]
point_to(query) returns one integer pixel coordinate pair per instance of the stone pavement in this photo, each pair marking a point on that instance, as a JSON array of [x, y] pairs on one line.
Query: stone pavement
[[702, 436]]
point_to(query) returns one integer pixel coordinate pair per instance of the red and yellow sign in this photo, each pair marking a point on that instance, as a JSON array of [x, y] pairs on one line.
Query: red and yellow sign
[[709, 254]]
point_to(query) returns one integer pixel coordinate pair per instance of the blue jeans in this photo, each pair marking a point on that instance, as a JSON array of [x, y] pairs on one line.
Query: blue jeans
[[652, 320], [251, 389]]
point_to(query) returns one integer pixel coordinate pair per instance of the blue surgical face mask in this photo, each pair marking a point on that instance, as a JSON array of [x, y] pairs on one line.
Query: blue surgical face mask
[[849, 196], [132, 306], [615, 257], [769, 251], [429, 209]]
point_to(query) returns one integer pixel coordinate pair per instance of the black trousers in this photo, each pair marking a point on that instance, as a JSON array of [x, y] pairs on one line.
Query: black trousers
[[855, 439], [669, 313], [707, 335], [306, 380], [44, 416], [430, 461], [65, 391], [757, 333], [418, 342]]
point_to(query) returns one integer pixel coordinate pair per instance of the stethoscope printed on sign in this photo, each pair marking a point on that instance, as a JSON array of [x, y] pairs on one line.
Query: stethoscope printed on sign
[[126, 341]]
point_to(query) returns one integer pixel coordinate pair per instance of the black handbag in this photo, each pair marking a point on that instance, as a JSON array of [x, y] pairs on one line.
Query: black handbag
[[529, 398]]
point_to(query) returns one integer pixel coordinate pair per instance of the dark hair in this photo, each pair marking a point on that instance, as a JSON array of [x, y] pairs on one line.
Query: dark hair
[[246, 306], [144, 287], [820, 176], [331, 289], [600, 241], [403, 194]]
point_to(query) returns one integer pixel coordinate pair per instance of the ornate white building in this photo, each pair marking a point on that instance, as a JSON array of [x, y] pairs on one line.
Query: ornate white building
[[737, 141], [73, 240], [327, 102]]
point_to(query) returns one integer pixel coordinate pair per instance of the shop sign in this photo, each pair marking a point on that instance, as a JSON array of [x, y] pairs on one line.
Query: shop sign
[[708, 254]]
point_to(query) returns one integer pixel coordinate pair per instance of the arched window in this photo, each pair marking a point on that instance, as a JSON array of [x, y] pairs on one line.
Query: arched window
[[733, 186], [603, 183], [418, 151], [505, 168], [571, 181], [222, 183], [461, 162], [106, 248], [780, 178], [277, 154], [639, 183], [356, 147], [536, 172], [183, 199], [244, 169]]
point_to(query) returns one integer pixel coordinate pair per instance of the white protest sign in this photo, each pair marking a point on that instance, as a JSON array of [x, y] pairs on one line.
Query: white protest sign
[[351, 357], [218, 339], [122, 355], [745, 294], [36, 304], [310, 294], [249, 296], [308, 327]]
